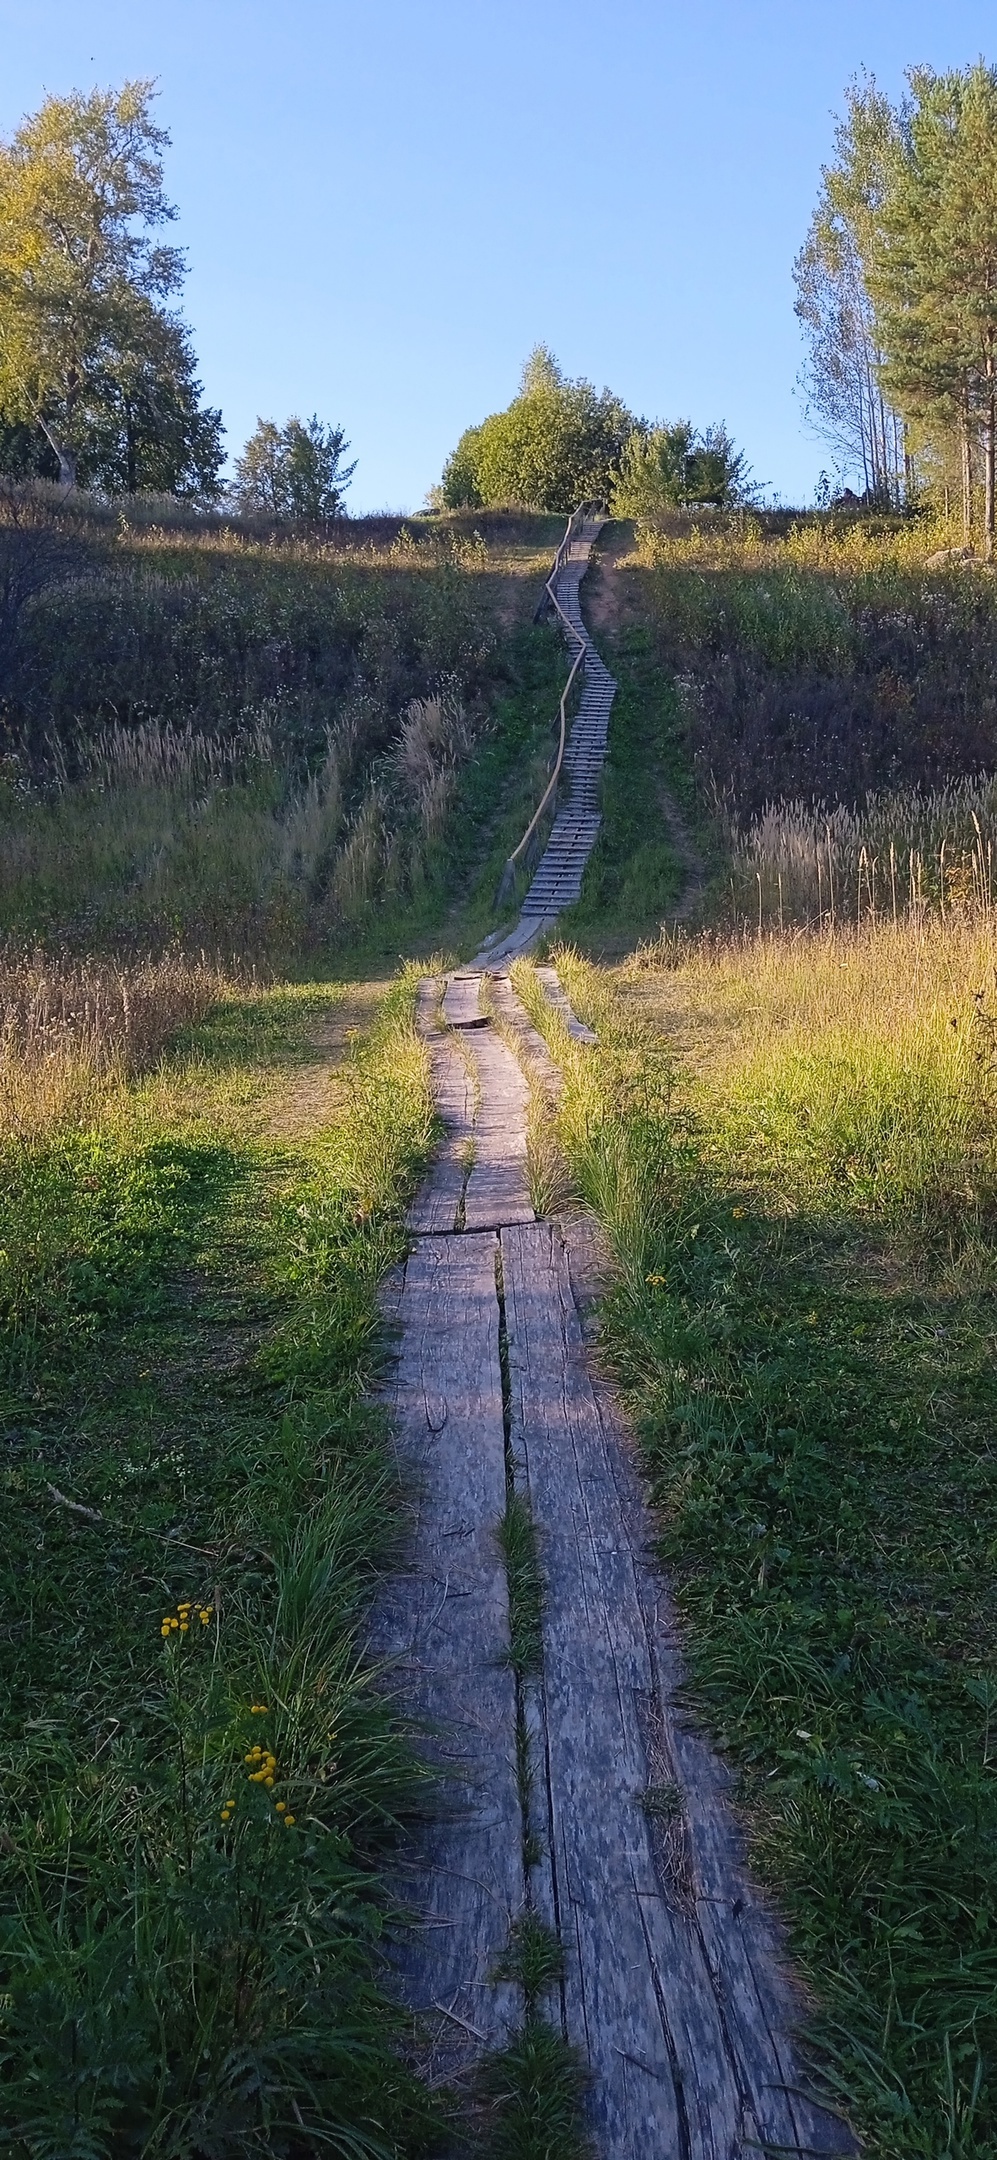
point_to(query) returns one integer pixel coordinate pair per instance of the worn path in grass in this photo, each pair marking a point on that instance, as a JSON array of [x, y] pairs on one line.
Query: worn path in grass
[[584, 1798]]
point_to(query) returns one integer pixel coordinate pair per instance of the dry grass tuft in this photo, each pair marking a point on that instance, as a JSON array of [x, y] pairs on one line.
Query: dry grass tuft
[[70, 1028]]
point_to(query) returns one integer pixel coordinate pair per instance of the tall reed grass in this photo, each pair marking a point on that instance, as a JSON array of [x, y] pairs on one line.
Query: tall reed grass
[[904, 851]]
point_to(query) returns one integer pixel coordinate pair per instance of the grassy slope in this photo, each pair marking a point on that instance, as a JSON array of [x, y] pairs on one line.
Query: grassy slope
[[215, 738], [791, 1143], [190, 1327], [804, 1324]]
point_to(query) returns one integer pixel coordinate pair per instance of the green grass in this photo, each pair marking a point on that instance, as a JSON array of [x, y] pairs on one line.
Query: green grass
[[268, 749], [535, 2091], [635, 874], [520, 1551], [190, 1955], [806, 1345]]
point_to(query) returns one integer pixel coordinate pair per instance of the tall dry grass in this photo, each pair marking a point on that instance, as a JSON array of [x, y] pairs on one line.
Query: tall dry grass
[[902, 851], [72, 1029], [859, 1063]]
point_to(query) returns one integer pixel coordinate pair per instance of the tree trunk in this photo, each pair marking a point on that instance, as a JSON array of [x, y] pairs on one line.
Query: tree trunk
[[967, 465], [68, 459], [991, 450]]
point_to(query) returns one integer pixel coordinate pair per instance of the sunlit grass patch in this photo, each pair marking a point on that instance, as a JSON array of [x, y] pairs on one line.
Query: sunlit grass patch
[[792, 1148], [201, 1776]]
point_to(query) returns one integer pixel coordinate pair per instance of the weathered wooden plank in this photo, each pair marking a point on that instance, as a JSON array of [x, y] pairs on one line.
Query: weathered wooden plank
[[531, 1048], [438, 1203], [443, 1622], [497, 1190], [460, 1001], [556, 996], [674, 1986]]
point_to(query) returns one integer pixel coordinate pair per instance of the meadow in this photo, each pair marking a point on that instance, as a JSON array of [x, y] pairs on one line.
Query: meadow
[[263, 745], [787, 1129], [235, 765]]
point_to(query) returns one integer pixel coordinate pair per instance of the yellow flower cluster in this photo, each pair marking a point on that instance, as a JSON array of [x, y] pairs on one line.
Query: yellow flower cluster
[[227, 1811], [178, 1623], [262, 1765]]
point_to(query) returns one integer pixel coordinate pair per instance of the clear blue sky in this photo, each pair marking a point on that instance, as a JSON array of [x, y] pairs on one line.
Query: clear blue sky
[[386, 203]]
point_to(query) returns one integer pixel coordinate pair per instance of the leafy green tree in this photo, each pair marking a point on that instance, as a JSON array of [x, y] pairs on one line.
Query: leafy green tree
[[559, 443], [293, 473], [933, 268], [81, 197], [673, 467]]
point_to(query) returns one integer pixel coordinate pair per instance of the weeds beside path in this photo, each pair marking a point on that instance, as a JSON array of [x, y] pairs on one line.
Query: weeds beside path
[[792, 1146], [200, 1779]]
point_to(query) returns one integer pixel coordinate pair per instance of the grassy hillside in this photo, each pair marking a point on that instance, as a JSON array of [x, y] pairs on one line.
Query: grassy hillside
[[818, 703], [788, 1129], [259, 745]]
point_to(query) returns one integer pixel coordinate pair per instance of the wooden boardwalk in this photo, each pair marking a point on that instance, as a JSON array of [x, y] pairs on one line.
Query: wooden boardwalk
[[557, 880], [675, 1987]]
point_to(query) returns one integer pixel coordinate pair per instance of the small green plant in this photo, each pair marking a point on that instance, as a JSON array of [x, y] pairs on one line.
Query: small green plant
[[535, 1958], [663, 1803], [535, 2096], [520, 1550]]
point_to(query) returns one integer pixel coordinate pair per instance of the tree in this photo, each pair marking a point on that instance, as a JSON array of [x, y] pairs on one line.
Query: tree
[[145, 426], [842, 373], [933, 270], [559, 443], [672, 467], [294, 472], [81, 194]]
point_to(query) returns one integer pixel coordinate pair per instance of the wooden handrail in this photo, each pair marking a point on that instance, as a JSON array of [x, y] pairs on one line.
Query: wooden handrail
[[550, 600]]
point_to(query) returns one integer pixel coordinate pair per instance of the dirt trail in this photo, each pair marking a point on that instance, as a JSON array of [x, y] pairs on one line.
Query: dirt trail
[[305, 1103], [610, 1821]]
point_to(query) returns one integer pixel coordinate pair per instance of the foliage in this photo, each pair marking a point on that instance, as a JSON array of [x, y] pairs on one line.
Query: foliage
[[87, 355], [261, 749], [294, 472], [842, 374], [670, 467], [804, 1223], [896, 284], [932, 267], [201, 1778], [558, 444], [820, 658]]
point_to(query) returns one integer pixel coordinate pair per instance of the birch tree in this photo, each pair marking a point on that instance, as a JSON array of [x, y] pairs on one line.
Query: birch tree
[[81, 199], [933, 274], [842, 377]]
